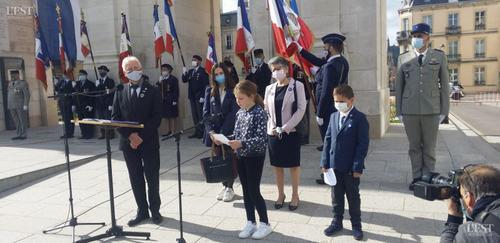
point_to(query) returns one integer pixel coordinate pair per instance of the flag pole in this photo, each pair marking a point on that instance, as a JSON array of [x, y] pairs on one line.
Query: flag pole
[[90, 45]]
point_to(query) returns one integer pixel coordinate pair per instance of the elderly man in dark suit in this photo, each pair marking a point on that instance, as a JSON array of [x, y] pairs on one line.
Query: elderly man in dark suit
[[140, 102]]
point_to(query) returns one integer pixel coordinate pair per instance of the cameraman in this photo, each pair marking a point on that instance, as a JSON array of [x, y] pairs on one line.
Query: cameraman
[[480, 199]]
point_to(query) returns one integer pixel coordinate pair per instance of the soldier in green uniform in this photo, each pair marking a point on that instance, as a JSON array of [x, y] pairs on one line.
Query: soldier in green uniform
[[422, 100], [18, 99]]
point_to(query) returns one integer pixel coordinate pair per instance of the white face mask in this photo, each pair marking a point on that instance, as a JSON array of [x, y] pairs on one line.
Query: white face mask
[[134, 75], [164, 73], [82, 78], [279, 75], [342, 106], [417, 43], [194, 63]]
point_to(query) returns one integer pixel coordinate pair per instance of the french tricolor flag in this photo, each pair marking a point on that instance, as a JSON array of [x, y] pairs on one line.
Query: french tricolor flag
[[279, 23], [244, 38], [211, 59], [159, 45], [66, 66], [171, 33], [41, 57]]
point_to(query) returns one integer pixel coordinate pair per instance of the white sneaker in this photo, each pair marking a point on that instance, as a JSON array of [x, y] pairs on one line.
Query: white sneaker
[[228, 195], [221, 194], [263, 231], [249, 229]]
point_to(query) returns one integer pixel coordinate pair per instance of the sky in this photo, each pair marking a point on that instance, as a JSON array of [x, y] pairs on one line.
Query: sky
[[392, 16]]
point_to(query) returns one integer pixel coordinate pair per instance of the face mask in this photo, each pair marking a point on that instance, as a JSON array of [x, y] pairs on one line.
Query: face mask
[[134, 75], [464, 210], [342, 106], [194, 63], [165, 73], [220, 78], [258, 61], [279, 75], [102, 74], [326, 53], [417, 43], [82, 77]]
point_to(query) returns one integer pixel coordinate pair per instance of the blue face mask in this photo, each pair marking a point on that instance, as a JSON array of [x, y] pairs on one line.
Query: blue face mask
[[220, 79], [417, 43], [258, 61]]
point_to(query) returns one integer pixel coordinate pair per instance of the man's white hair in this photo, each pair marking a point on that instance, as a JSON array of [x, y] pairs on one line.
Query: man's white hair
[[128, 59]]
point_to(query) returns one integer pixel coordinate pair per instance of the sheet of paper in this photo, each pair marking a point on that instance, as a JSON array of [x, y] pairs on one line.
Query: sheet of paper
[[329, 177], [221, 138]]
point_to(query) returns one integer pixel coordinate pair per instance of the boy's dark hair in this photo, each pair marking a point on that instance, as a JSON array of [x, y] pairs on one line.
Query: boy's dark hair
[[344, 90]]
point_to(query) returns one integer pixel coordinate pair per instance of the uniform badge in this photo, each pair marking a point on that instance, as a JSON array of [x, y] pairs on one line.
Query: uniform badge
[[290, 89]]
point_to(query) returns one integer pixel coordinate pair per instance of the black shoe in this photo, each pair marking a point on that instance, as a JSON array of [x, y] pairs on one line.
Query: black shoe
[[157, 218], [278, 205], [21, 138], [357, 233], [319, 148], [292, 207], [193, 136], [412, 184], [138, 218], [166, 135], [333, 229], [15, 138], [321, 181]]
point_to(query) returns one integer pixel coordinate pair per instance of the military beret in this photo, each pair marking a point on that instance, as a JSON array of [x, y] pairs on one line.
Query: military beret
[[197, 58], [167, 66], [333, 38], [258, 52], [102, 67], [421, 28]]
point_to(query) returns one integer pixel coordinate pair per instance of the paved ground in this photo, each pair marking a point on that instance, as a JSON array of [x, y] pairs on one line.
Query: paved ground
[[483, 119], [390, 212]]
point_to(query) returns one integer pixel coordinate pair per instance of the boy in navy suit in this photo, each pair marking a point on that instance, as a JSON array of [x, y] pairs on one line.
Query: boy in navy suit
[[344, 150]]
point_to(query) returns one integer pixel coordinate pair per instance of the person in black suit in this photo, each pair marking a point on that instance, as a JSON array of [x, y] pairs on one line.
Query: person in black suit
[[197, 80], [65, 88], [303, 126], [219, 115], [169, 86], [140, 102], [345, 148], [262, 75], [85, 104], [104, 103]]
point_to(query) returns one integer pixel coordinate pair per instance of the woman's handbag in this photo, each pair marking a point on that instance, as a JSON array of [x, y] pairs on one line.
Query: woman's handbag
[[220, 166]]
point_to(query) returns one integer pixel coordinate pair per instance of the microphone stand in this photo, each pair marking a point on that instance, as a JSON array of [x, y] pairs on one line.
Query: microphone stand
[[177, 137], [72, 222]]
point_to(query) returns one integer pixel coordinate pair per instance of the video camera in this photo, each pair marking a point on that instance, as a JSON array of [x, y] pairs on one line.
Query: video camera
[[436, 186]]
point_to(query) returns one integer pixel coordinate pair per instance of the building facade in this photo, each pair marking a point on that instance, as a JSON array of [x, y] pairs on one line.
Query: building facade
[[193, 19], [467, 31]]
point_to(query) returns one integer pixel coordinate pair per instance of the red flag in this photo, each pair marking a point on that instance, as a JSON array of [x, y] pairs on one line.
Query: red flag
[[125, 48]]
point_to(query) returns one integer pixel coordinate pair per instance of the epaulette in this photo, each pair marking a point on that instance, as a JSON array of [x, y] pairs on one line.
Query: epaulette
[[404, 53], [438, 50]]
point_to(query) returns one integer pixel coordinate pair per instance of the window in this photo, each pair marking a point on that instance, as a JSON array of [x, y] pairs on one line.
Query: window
[[480, 21], [453, 19], [453, 74], [406, 24], [229, 41], [453, 48], [479, 49], [479, 76], [428, 20]]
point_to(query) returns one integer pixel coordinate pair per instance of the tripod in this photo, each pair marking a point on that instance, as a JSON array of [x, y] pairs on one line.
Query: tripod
[[115, 230], [177, 137], [72, 222]]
